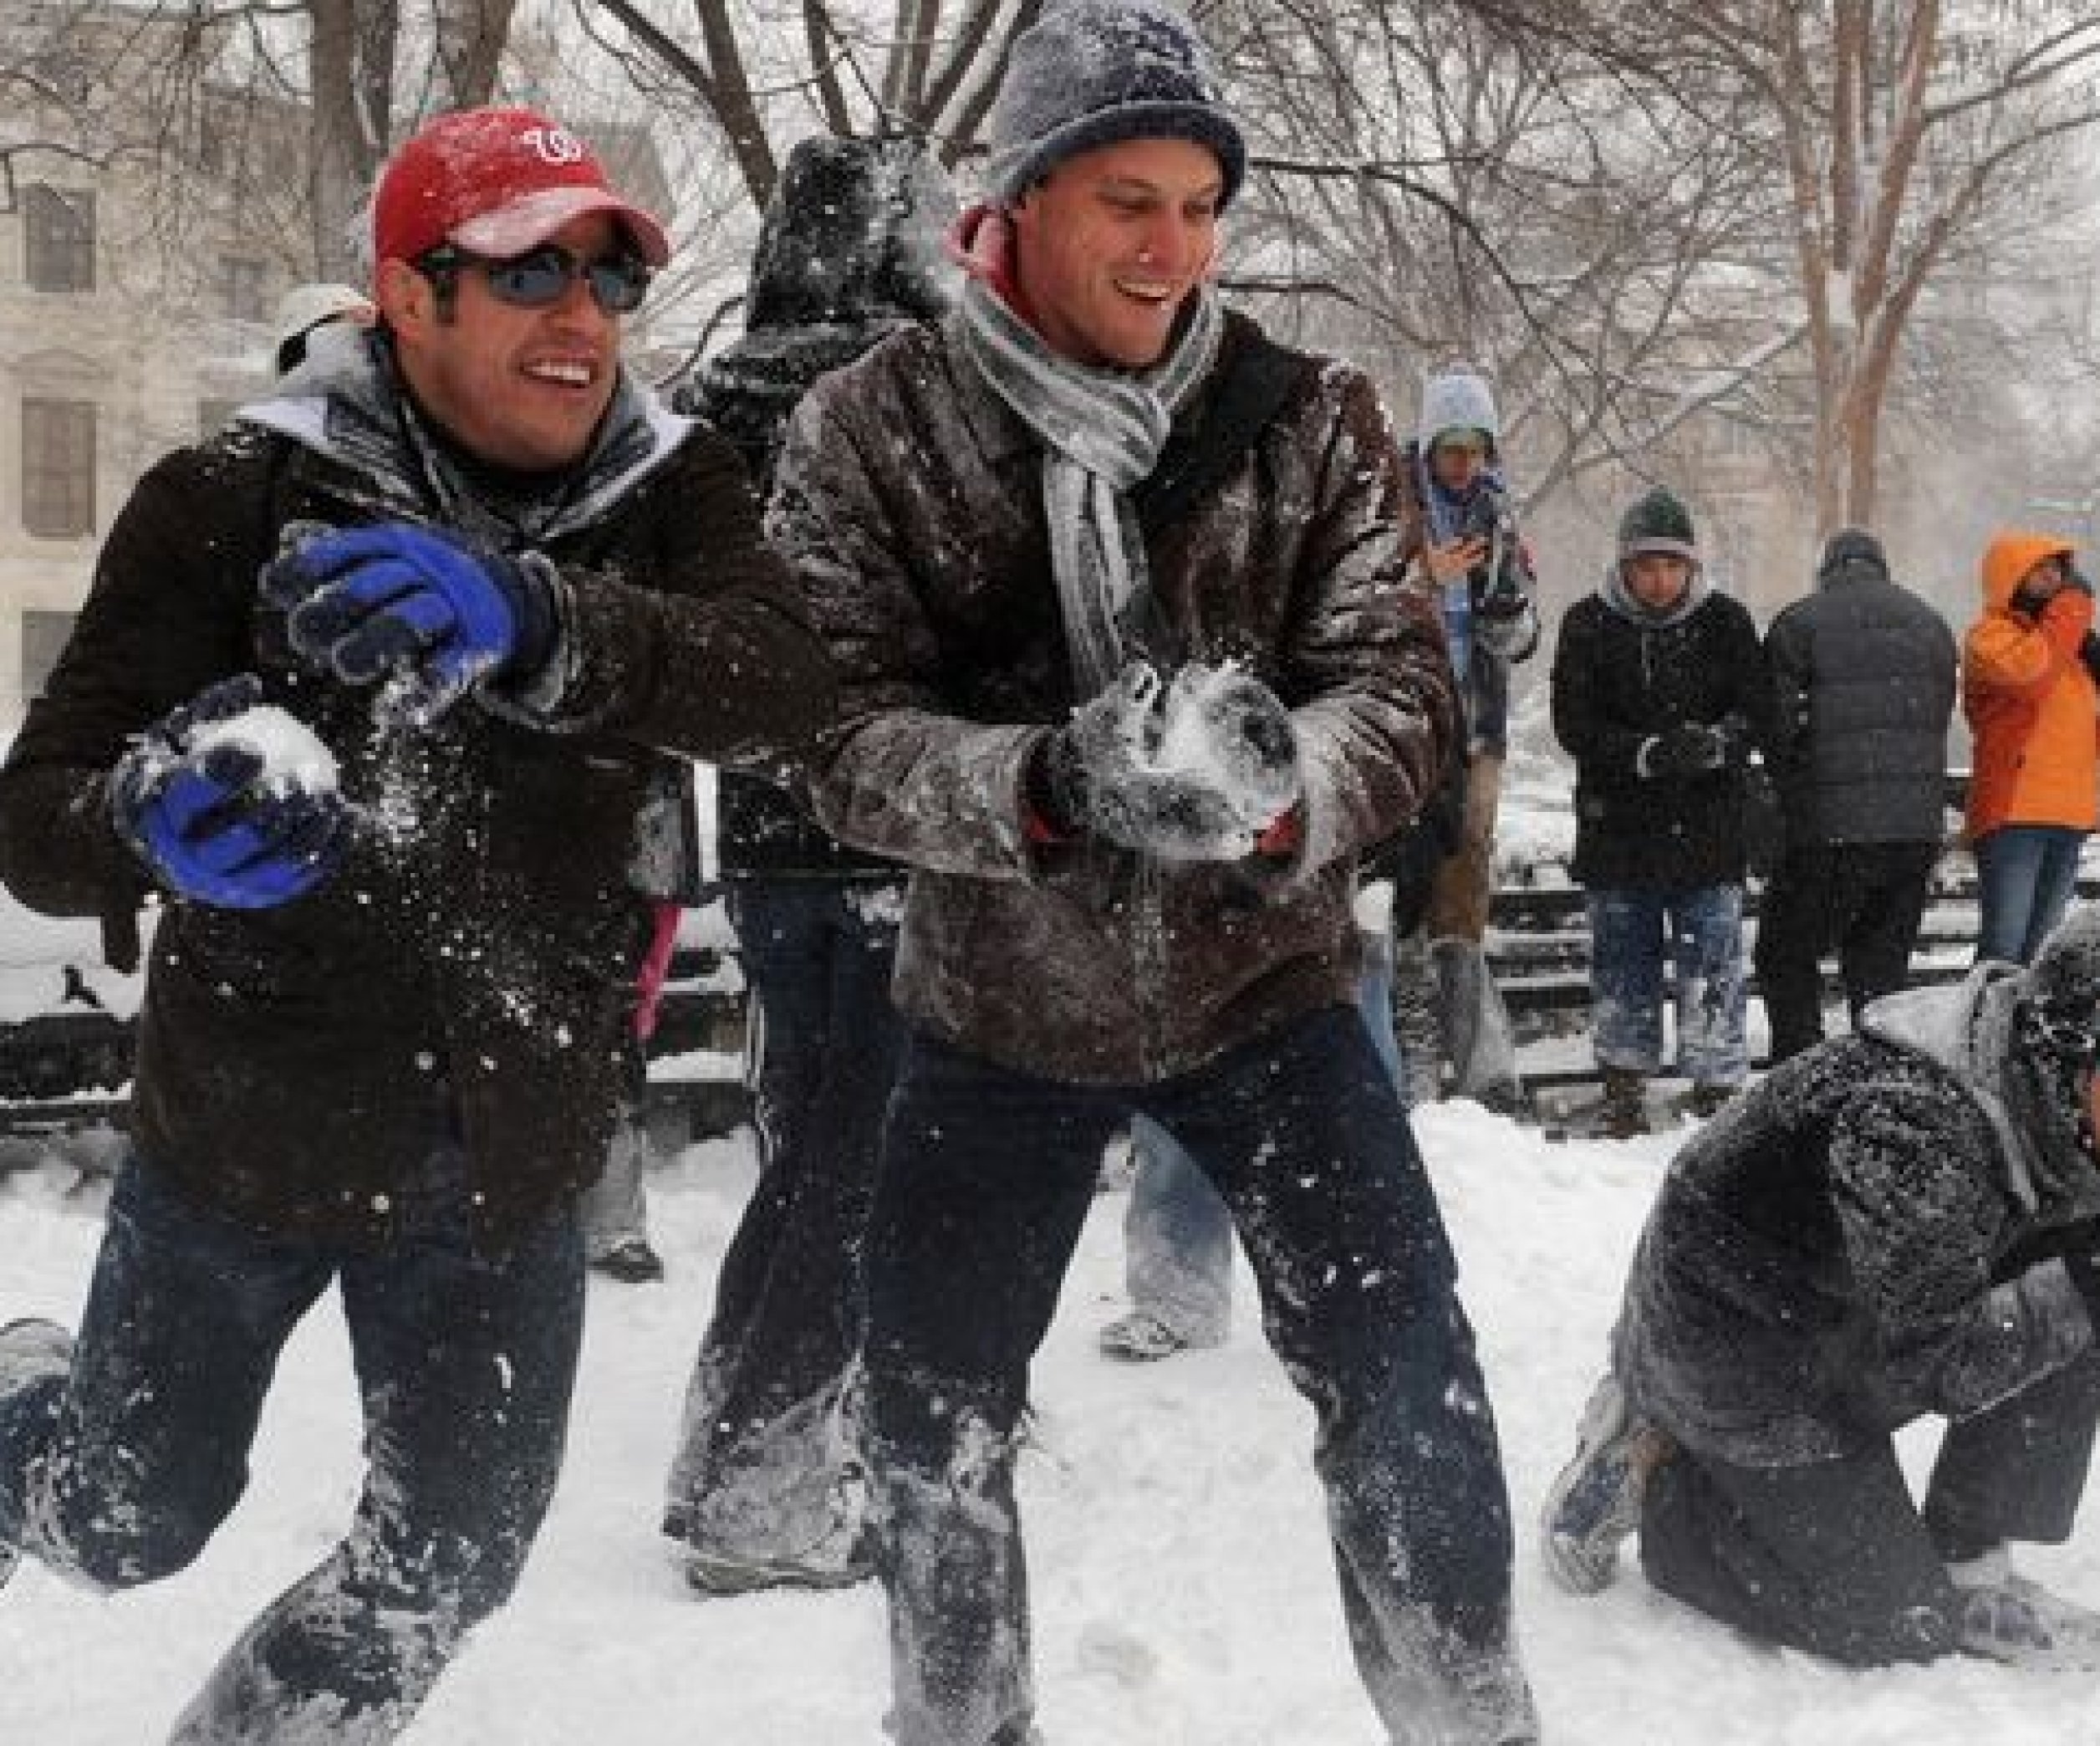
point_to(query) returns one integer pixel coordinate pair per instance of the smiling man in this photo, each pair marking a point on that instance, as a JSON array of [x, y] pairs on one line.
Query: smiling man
[[493, 595], [1130, 673]]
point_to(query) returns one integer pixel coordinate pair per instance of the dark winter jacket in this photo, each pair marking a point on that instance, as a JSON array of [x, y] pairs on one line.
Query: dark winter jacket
[[1864, 685], [910, 496], [1826, 1260], [469, 972], [1622, 676], [850, 253]]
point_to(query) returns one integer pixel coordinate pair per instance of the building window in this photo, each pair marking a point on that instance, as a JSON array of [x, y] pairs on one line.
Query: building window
[[57, 230], [43, 636], [58, 468], [244, 289]]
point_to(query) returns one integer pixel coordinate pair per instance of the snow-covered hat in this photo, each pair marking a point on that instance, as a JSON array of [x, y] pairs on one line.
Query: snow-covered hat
[[2055, 1029], [852, 233], [304, 308], [497, 181], [1458, 398], [1092, 73]]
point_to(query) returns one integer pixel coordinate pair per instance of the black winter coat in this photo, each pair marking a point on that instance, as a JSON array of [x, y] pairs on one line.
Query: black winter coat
[[1621, 676], [1864, 685], [468, 973], [1844, 1249]]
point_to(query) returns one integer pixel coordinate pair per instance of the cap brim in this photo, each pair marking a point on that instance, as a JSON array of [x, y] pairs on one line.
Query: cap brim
[[530, 220]]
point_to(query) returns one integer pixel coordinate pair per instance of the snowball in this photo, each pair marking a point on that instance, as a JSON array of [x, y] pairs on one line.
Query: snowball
[[294, 758]]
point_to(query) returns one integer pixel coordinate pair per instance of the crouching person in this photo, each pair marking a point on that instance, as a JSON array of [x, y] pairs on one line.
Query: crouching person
[[1092, 486], [369, 692], [1891, 1226]]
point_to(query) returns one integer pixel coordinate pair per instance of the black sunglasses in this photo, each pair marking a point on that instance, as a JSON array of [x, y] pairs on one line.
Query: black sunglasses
[[541, 277]]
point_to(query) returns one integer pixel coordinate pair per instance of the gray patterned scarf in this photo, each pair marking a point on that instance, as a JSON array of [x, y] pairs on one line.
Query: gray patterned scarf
[[1102, 432]]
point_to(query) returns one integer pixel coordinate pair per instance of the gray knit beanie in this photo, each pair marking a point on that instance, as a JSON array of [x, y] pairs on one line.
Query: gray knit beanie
[[1091, 73], [1657, 523]]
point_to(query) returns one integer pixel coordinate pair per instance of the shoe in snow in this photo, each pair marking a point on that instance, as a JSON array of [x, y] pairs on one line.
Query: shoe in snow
[[632, 1263], [2007, 1617], [1595, 1501], [31, 1351], [1140, 1338]]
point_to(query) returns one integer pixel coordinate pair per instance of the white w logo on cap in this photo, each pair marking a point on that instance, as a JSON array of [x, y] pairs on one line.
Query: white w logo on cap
[[554, 144]]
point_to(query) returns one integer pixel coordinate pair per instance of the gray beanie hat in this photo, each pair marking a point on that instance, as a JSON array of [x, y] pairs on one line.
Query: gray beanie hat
[[1657, 523], [1091, 73]]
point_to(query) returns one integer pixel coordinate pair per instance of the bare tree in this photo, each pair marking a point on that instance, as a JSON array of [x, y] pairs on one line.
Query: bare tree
[[764, 73]]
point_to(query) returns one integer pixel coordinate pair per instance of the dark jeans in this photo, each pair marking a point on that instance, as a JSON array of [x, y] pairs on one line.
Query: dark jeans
[[760, 1455], [987, 1176], [1835, 1557], [1864, 901], [2026, 875], [120, 1474]]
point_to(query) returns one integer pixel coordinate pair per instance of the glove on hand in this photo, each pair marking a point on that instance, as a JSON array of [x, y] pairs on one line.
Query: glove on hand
[[1504, 598], [365, 601], [1692, 749], [211, 823], [1193, 770]]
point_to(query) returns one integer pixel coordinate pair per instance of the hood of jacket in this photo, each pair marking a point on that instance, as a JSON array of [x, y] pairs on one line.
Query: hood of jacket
[[1458, 400], [2008, 558], [1620, 598], [1979, 1029]]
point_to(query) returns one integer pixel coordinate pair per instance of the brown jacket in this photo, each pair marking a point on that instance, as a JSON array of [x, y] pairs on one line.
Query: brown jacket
[[909, 497]]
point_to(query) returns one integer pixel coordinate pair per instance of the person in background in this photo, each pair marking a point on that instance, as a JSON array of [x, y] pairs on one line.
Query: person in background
[[1130, 673], [665, 875], [1897, 1224], [767, 1488], [304, 309], [1472, 555], [1657, 680], [368, 693], [2027, 688], [1863, 676]]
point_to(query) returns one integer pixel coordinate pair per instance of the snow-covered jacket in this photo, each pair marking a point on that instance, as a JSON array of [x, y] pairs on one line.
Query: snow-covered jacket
[[1827, 1259], [2030, 700], [1862, 674], [1621, 675], [468, 974], [909, 499]]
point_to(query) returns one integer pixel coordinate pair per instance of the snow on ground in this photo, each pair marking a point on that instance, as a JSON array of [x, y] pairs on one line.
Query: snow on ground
[[1183, 1592]]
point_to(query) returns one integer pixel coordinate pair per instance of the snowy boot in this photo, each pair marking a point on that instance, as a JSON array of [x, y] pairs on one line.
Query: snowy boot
[[1625, 1115], [1478, 1042], [1594, 1502], [2007, 1617], [32, 1350]]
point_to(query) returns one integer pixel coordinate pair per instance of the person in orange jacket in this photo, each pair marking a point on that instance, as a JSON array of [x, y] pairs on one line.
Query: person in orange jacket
[[2029, 665]]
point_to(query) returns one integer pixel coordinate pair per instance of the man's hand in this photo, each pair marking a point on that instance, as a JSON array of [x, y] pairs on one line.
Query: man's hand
[[1196, 769], [205, 812], [1452, 562], [398, 597]]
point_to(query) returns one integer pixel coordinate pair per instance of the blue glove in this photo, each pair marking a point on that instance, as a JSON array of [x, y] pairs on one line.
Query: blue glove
[[209, 831], [365, 602]]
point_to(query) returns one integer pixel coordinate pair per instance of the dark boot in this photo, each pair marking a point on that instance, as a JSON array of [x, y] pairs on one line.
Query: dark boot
[[1625, 1113]]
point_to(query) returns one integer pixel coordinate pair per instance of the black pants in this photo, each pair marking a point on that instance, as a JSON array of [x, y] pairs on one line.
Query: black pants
[[1863, 901], [987, 1176], [1835, 1557], [760, 1460]]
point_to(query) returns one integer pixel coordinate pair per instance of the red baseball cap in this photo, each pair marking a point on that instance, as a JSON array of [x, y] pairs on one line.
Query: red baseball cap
[[496, 182]]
